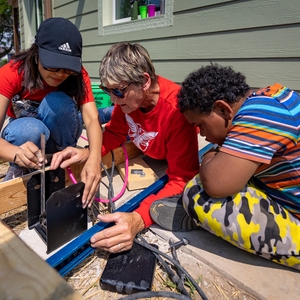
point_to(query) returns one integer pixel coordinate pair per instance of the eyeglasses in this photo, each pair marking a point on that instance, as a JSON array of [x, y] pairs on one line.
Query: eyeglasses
[[117, 92], [69, 72]]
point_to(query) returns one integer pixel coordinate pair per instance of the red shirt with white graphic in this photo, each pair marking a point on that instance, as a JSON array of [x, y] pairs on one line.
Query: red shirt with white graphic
[[162, 133], [11, 81]]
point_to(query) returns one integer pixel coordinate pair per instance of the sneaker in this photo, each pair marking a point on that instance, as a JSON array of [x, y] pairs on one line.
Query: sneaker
[[170, 214], [15, 172]]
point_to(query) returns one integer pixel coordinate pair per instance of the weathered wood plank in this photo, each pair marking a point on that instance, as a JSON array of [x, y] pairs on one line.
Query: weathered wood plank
[[24, 275], [13, 193]]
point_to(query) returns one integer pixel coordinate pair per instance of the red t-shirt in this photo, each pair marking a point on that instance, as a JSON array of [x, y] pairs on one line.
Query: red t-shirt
[[162, 133], [11, 85]]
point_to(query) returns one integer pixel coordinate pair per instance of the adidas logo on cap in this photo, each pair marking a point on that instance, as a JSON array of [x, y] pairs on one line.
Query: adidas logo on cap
[[65, 47]]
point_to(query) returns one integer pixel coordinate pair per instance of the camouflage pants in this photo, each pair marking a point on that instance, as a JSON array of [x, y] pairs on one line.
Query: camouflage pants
[[249, 220]]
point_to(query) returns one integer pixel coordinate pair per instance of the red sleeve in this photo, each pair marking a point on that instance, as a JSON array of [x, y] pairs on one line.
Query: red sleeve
[[89, 93], [183, 164], [10, 86], [115, 132], [10, 80]]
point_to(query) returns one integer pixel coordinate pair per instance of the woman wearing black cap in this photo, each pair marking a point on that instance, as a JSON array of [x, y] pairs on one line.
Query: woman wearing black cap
[[42, 90]]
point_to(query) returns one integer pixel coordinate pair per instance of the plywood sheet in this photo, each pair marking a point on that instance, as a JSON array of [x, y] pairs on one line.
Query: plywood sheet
[[140, 175]]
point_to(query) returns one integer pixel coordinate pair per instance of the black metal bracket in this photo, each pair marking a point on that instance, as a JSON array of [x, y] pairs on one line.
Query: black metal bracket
[[64, 217], [69, 256]]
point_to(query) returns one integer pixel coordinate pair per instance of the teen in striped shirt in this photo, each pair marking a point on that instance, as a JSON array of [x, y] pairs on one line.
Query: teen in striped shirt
[[247, 190]]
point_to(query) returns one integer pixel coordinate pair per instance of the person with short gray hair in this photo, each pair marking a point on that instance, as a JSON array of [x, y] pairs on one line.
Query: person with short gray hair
[[145, 111], [126, 62]]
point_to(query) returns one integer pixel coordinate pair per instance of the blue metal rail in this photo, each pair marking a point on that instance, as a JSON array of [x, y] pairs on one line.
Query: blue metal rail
[[67, 258]]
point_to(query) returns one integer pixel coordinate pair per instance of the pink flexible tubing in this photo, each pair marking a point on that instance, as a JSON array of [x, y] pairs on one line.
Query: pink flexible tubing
[[73, 179]]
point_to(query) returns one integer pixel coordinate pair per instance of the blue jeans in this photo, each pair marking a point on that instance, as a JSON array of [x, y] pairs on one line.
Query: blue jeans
[[57, 118], [104, 114]]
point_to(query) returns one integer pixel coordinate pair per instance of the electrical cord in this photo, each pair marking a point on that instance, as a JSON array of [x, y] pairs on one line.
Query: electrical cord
[[125, 180], [180, 274], [174, 262], [110, 190], [74, 181], [144, 243], [174, 277], [152, 294]]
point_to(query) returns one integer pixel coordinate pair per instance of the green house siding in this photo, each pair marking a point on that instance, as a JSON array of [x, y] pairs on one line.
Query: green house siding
[[259, 38]]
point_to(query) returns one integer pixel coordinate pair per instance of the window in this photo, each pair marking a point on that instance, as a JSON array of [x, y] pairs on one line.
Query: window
[[32, 16], [39, 12], [122, 9], [114, 16]]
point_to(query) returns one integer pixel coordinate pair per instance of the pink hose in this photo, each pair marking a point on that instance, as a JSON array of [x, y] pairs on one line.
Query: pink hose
[[73, 179]]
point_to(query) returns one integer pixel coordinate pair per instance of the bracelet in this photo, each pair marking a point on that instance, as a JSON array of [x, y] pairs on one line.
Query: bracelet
[[15, 158]]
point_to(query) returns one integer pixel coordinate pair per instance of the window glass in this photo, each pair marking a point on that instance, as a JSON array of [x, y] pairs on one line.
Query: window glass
[[39, 12], [122, 7], [114, 16]]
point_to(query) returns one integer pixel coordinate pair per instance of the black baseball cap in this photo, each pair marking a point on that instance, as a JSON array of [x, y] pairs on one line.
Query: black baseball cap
[[60, 44]]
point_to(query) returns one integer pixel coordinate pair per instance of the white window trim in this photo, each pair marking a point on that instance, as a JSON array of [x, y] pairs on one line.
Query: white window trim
[[114, 21], [106, 26]]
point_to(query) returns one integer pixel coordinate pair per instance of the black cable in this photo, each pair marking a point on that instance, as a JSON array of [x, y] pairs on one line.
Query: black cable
[[109, 188], [180, 274], [174, 277], [157, 253], [110, 192], [197, 287], [105, 184], [152, 294]]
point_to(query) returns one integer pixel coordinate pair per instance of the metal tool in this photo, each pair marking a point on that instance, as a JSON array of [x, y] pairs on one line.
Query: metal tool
[[138, 172], [43, 193]]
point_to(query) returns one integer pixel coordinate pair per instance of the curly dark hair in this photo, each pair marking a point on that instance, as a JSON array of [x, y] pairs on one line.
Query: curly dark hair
[[203, 87], [25, 61]]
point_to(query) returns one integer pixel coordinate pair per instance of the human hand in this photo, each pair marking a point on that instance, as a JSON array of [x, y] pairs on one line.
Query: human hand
[[91, 176], [67, 157], [120, 236], [28, 155]]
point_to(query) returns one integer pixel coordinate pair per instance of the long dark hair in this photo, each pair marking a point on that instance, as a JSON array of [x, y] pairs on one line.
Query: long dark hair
[[25, 61]]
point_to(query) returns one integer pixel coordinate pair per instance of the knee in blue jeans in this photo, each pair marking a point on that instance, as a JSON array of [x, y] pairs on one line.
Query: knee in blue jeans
[[22, 130], [59, 113]]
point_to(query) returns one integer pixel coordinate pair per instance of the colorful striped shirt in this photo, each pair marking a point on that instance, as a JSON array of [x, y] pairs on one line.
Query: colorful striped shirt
[[266, 129]]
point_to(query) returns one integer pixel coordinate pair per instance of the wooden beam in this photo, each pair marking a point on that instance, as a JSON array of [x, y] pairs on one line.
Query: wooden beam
[[13, 193], [15, 14], [48, 9], [24, 275]]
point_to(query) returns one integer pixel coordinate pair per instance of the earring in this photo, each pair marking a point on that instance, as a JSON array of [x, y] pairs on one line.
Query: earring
[[36, 59]]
